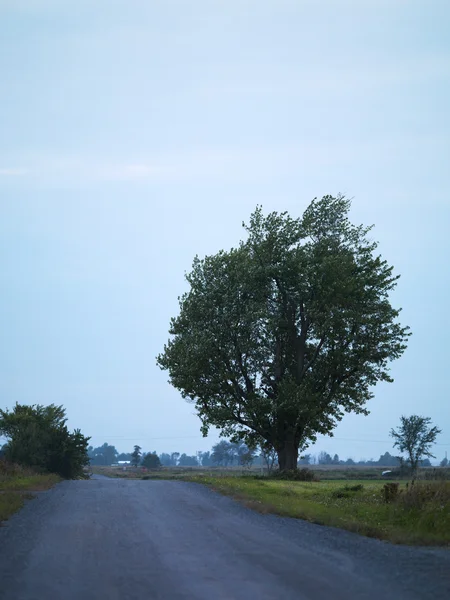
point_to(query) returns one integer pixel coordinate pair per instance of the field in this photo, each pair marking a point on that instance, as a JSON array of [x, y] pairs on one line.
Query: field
[[350, 498], [17, 485]]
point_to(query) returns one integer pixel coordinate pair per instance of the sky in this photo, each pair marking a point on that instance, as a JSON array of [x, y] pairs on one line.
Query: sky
[[135, 135]]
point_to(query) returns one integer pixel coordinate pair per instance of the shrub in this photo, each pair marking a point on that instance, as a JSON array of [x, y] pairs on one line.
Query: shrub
[[422, 494], [38, 438], [390, 491]]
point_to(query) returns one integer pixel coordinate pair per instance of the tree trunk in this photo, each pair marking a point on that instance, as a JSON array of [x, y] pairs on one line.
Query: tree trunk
[[287, 456]]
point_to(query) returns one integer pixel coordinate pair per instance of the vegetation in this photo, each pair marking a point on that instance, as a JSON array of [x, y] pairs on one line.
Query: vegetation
[[136, 456], [39, 438], [278, 338], [151, 461], [415, 437], [103, 455], [16, 482], [419, 515]]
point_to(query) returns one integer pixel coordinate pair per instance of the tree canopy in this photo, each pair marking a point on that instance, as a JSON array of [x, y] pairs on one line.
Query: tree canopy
[[278, 338]]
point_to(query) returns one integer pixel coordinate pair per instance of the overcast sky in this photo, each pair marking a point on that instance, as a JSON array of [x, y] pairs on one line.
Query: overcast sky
[[136, 134]]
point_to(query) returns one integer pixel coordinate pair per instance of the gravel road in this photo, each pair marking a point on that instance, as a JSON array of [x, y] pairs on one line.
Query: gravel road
[[111, 539]]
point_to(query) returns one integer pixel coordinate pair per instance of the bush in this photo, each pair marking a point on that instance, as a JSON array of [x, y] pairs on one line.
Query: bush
[[422, 494], [390, 492], [38, 438], [295, 475]]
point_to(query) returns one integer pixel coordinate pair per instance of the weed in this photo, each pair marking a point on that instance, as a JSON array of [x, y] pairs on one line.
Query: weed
[[295, 475]]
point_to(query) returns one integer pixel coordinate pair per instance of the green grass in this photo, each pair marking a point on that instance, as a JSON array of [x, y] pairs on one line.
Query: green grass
[[412, 519], [16, 483], [10, 502], [29, 482]]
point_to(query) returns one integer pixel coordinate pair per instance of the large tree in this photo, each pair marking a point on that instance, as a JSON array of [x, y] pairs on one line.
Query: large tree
[[278, 338]]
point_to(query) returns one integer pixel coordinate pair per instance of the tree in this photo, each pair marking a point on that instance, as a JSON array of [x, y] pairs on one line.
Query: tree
[[325, 459], [278, 338], [188, 461], [136, 456], [126, 456], [165, 459], [245, 454], [306, 459], [415, 437], [444, 462], [269, 457], [38, 437], [387, 460], [151, 461], [103, 455], [223, 453]]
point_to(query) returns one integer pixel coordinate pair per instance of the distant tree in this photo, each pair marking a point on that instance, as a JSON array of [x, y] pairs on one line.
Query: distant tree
[[174, 458], [350, 462], [425, 463], [387, 460], [444, 462], [187, 461], [336, 459], [165, 459], [325, 459], [415, 436], [245, 455], [39, 438], [136, 456], [125, 456], [151, 461], [305, 459], [269, 456], [223, 453], [103, 455], [278, 338], [204, 459]]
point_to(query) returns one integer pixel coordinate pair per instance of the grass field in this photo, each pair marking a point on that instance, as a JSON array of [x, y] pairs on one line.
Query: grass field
[[17, 485], [349, 498], [418, 516]]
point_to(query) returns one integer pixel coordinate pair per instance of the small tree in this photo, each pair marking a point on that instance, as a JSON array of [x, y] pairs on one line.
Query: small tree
[[245, 454], [269, 456], [136, 456], [415, 437], [151, 461], [444, 462]]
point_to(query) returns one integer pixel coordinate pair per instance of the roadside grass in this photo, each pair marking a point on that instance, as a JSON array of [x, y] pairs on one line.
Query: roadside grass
[[35, 483], [10, 502], [16, 483], [420, 515]]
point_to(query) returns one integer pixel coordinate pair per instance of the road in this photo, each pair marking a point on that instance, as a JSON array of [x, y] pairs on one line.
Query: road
[[111, 539]]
